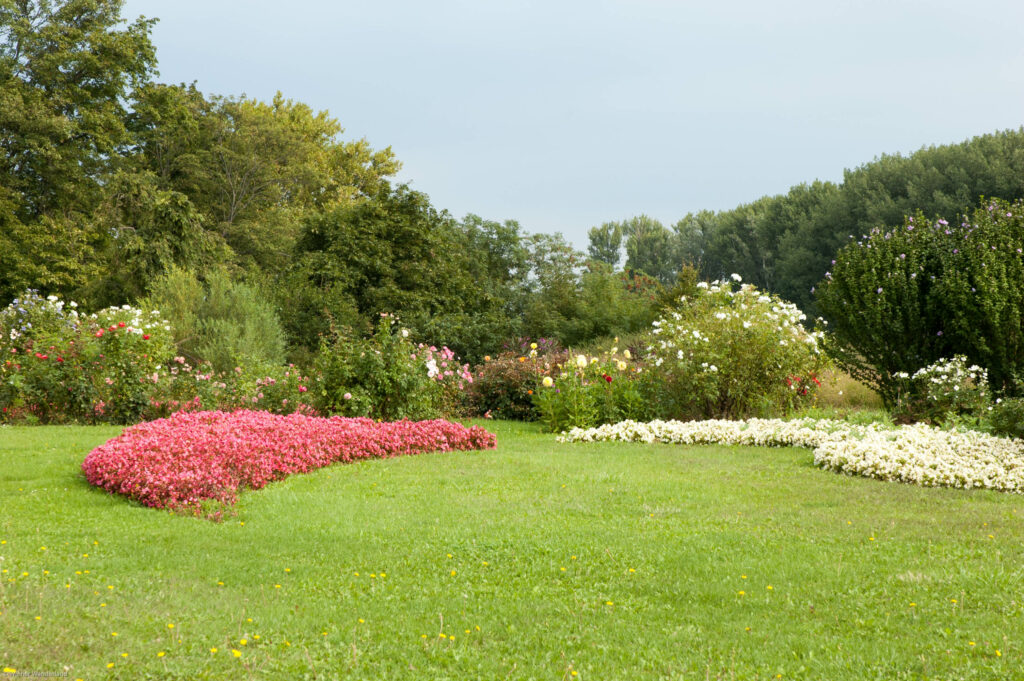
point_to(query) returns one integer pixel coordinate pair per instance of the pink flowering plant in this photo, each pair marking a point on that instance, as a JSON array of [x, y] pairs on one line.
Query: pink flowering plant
[[190, 459]]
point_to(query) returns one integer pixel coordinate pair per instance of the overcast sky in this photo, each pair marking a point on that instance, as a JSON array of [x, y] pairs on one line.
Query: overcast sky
[[563, 115]]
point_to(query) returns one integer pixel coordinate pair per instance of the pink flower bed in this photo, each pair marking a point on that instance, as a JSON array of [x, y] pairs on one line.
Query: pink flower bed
[[180, 461]]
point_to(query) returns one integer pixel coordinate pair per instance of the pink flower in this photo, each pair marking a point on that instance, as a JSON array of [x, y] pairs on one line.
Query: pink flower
[[302, 388], [347, 396]]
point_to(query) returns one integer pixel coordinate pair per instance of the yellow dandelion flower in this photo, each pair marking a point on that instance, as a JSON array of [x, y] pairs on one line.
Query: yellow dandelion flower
[[113, 633], [562, 568], [912, 604], [213, 651], [423, 635], [103, 605], [124, 654], [478, 627], [170, 625], [277, 586], [256, 637], [450, 555], [161, 654], [741, 593], [287, 569], [998, 654], [453, 573], [467, 631], [574, 672], [236, 653], [383, 575], [220, 583], [632, 570], [362, 621], [970, 643], [110, 665], [38, 617], [244, 642], [770, 587], [609, 603]]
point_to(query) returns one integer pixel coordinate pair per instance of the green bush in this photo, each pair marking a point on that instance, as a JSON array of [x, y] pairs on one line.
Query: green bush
[[380, 377], [1007, 417], [901, 299], [224, 322], [734, 352]]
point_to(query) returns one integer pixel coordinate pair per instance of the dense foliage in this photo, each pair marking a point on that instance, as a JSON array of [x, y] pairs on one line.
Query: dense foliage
[[733, 351], [901, 299]]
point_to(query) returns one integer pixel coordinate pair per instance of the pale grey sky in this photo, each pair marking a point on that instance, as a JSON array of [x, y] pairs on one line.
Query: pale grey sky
[[563, 115]]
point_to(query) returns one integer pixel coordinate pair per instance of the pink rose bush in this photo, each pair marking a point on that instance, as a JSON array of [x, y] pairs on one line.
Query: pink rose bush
[[191, 457]]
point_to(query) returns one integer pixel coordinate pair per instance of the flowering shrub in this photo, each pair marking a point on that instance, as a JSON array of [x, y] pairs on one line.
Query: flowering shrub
[[732, 350], [917, 454], [180, 387], [590, 391], [947, 392], [186, 459], [899, 299], [118, 365], [60, 365], [504, 386], [385, 376]]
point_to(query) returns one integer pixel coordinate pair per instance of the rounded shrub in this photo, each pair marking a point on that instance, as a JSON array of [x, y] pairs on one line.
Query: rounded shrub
[[732, 351], [901, 299]]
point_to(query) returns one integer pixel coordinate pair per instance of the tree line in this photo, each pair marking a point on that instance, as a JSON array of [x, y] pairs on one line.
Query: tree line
[[117, 188]]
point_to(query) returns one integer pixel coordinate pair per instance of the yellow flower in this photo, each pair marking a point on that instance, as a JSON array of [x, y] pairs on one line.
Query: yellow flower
[[161, 654], [770, 587], [548, 382], [581, 361], [741, 593], [609, 603], [626, 354], [487, 358], [170, 626], [533, 346], [236, 653], [110, 665], [453, 573], [621, 365], [244, 642], [213, 651]]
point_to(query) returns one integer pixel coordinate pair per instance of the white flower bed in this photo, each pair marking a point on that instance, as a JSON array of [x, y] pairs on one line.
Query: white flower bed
[[919, 454]]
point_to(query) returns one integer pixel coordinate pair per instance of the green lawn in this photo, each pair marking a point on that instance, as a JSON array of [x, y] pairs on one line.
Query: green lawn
[[534, 561]]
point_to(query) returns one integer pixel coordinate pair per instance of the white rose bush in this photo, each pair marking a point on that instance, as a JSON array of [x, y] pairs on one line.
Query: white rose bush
[[734, 351], [918, 454]]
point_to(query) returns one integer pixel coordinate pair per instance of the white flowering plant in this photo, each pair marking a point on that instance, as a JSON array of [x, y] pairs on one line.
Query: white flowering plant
[[948, 392], [918, 454], [732, 351]]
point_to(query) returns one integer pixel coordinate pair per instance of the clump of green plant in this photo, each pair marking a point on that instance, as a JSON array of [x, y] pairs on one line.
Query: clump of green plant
[[732, 351], [901, 299], [226, 323], [1006, 417], [589, 391], [380, 376]]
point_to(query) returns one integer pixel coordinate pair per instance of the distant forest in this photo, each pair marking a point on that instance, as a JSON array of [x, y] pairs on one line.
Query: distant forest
[[116, 188]]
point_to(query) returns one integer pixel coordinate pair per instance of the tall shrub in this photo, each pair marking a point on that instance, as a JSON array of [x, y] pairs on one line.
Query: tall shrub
[[901, 299], [733, 351]]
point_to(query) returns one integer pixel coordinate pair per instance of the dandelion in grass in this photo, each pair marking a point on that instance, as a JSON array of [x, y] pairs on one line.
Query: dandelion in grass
[[236, 653]]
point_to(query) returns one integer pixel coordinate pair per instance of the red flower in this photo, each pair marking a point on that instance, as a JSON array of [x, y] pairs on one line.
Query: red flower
[[120, 325], [145, 336], [607, 378]]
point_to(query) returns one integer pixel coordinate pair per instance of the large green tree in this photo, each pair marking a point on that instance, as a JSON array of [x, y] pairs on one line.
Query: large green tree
[[67, 68]]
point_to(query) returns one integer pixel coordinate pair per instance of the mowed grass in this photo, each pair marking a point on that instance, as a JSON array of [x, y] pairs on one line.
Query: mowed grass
[[534, 561]]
